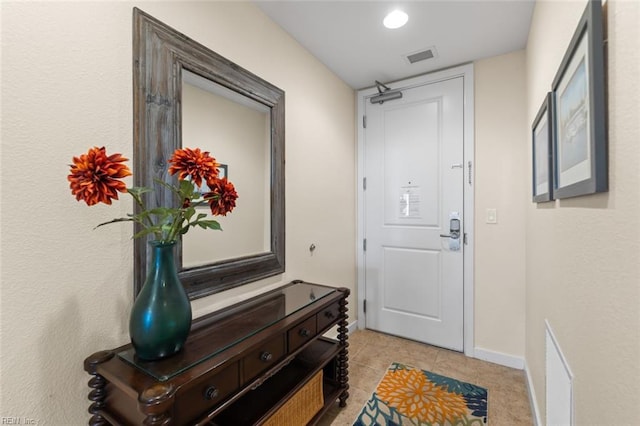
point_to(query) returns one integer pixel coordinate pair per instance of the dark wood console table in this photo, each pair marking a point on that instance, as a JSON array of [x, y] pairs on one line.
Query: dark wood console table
[[239, 366]]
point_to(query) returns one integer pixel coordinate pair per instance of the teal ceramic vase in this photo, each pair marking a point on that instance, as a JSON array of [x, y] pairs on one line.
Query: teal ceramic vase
[[161, 315]]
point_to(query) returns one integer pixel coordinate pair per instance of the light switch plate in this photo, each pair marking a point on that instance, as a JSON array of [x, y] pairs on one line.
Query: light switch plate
[[492, 216]]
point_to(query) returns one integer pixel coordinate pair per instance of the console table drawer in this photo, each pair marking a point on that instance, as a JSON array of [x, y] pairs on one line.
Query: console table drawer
[[263, 357], [207, 392], [327, 316], [302, 333]]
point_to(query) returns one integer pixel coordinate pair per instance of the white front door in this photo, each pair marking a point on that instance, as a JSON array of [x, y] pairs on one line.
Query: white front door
[[414, 198]]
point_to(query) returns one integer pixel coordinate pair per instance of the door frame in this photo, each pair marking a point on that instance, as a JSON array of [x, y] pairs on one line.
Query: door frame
[[362, 96]]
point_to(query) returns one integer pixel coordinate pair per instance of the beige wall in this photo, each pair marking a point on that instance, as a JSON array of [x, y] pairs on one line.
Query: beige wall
[[501, 184], [583, 254], [66, 86]]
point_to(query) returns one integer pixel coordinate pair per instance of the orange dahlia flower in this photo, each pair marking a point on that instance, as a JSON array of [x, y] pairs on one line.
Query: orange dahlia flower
[[415, 396], [193, 163], [222, 196], [95, 177]]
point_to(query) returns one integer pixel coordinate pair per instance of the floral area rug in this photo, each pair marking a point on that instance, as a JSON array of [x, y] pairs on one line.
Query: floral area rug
[[410, 396]]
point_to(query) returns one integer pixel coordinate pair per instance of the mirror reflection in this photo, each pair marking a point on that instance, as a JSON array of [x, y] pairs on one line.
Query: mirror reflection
[[236, 131]]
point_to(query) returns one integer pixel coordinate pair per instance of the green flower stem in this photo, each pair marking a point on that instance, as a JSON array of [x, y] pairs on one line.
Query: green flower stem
[[167, 224], [135, 193], [176, 225]]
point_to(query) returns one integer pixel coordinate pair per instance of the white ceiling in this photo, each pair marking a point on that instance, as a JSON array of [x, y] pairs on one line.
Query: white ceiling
[[349, 38]]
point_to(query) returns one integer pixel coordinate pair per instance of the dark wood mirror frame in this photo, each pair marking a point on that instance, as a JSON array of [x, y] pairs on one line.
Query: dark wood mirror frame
[[160, 53]]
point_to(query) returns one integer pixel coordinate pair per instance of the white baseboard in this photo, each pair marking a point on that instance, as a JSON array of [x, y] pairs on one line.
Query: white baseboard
[[537, 419], [499, 358], [332, 333], [520, 364]]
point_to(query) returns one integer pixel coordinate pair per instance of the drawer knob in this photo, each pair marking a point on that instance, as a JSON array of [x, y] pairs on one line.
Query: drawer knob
[[266, 356], [304, 332], [211, 392], [329, 314]]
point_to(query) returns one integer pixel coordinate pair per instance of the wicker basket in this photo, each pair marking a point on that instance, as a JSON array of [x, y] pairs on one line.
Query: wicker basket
[[301, 407]]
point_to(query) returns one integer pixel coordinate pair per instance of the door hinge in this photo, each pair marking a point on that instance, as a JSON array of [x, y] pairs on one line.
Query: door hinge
[[464, 238], [364, 121], [364, 306], [469, 163], [364, 244], [364, 184]]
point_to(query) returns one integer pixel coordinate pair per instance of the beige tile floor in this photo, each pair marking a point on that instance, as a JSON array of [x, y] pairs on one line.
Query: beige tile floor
[[371, 353]]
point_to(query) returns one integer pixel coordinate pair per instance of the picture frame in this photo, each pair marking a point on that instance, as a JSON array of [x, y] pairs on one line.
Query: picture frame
[[542, 135], [579, 105], [223, 171]]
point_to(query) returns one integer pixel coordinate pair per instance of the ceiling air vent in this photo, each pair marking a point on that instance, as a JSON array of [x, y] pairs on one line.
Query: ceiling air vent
[[422, 55]]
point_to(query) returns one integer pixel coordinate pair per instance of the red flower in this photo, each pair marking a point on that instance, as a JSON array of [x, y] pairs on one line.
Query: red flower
[[194, 163], [95, 177], [222, 196]]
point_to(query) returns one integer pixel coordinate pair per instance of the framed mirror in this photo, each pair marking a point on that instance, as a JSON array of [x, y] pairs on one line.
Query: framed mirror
[[186, 95]]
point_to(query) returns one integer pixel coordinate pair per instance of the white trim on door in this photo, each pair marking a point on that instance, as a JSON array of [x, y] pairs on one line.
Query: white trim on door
[[362, 96]]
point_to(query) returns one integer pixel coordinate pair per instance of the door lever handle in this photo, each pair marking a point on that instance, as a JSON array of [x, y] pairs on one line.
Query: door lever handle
[[454, 235]]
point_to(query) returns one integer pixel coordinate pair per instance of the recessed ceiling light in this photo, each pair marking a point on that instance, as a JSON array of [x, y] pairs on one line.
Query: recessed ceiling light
[[395, 19]]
